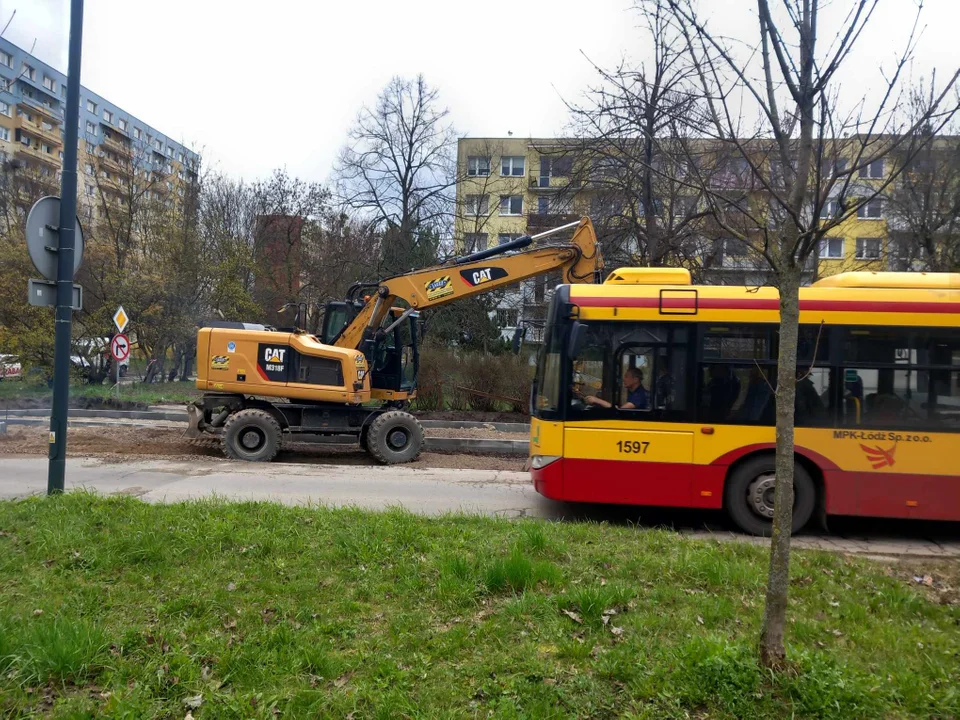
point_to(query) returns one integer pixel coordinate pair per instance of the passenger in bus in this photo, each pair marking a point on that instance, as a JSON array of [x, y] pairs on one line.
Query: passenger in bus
[[808, 408], [664, 388], [721, 392], [757, 398]]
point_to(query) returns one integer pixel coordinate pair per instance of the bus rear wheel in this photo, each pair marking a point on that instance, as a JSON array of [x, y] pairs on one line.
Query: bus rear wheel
[[748, 496]]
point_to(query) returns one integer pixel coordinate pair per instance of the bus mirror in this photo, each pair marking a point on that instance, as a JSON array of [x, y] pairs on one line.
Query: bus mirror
[[578, 336]]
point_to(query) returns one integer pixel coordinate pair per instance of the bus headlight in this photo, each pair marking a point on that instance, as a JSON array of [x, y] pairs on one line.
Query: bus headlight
[[541, 461]]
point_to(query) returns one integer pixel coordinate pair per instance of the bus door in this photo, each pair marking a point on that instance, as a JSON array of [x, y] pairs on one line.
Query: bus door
[[639, 454]]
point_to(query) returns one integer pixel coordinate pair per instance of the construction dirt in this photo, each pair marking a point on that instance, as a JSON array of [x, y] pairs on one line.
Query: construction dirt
[[120, 444]]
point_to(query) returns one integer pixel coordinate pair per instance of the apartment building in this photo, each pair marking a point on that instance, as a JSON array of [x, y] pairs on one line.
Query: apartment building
[[117, 152], [511, 186]]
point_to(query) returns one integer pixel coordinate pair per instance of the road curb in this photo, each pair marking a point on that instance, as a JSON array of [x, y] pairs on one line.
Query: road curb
[[512, 427]]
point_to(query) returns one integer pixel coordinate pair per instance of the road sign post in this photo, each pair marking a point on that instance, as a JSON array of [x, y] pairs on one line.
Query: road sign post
[[120, 351], [66, 259]]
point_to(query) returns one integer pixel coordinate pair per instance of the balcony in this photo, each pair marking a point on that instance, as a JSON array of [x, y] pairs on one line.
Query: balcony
[[113, 165], [51, 137], [539, 223], [37, 155], [118, 146], [546, 183], [35, 106]]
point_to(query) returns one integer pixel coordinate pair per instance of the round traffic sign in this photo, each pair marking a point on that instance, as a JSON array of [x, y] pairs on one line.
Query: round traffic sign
[[120, 347], [42, 237]]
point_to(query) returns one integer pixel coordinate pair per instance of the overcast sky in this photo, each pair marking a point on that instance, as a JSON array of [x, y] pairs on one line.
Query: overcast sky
[[254, 86]]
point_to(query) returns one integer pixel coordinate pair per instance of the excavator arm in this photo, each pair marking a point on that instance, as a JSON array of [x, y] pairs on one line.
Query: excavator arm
[[579, 260]]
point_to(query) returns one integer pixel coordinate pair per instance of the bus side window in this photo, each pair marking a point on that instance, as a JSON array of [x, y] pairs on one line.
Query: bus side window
[[635, 372]]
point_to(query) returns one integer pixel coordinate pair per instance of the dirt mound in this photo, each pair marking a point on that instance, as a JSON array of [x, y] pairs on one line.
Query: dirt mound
[[78, 403], [132, 444]]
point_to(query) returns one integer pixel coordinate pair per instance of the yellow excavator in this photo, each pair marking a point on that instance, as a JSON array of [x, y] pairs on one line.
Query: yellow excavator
[[352, 382]]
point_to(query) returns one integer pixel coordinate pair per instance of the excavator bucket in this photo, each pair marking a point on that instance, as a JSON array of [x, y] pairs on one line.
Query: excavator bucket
[[194, 421]]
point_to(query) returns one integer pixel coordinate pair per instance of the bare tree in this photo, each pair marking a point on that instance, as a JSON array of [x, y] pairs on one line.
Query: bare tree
[[399, 167], [623, 153], [784, 150], [923, 207]]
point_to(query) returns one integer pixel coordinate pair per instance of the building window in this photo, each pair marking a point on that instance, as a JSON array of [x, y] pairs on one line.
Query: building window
[[49, 84], [507, 317], [91, 107], [477, 204], [511, 166], [180, 157], [6, 59], [868, 248], [830, 209], [831, 248], [89, 189], [839, 166], [478, 166], [543, 205], [107, 115], [158, 145], [472, 242], [136, 133], [122, 124], [870, 210], [507, 237], [4, 134], [29, 73], [872, 170], [88, 168], [91, 128], [5, 109], [88, 146], [511, 204]]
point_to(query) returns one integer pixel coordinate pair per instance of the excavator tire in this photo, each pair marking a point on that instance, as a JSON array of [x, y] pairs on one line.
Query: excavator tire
[[252, 435], [395, 437]]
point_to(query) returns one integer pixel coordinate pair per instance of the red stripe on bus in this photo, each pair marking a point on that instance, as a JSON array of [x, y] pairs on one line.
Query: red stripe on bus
[[675, 303]]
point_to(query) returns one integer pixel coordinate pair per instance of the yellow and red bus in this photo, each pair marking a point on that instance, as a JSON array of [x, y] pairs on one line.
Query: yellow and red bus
[[652, 391]]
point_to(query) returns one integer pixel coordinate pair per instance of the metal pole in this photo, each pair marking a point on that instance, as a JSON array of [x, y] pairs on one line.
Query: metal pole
[[68, 222]]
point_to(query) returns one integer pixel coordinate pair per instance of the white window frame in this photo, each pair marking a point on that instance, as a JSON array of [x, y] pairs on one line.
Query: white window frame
[[6, 59], [474, 242], [475, 204], [862, 246], [474, 166], [158, 145], [829, 209], [91, 107], [864, 211], [107, 115], [510, 162], [90, 128], [506, 201], [4, 133], [137, 133], [825, 246], [30, 72], [507, 237], [505, 315], [5, 109], [122, 124], [49, 83], [867, 171]]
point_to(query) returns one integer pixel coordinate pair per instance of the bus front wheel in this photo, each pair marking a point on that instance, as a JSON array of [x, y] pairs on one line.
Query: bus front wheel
[[749, 491]]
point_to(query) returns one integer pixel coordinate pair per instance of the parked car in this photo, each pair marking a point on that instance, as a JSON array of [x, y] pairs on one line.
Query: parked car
[[93, 354], [10, 368]]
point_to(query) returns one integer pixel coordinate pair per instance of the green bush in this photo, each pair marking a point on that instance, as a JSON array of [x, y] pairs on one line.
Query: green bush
[[446, 376]]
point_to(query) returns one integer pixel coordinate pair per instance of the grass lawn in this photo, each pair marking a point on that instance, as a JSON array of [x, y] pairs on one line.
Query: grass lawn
[[116, 608], [153, 394]]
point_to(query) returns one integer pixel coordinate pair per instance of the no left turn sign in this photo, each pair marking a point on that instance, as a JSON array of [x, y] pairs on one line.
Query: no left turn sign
[[120, 348]]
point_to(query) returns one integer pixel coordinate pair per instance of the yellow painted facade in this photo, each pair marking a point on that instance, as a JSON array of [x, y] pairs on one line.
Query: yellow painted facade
[[480, 223]]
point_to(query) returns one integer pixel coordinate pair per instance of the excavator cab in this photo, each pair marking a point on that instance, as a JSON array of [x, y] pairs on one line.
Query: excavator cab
[[392, 352]]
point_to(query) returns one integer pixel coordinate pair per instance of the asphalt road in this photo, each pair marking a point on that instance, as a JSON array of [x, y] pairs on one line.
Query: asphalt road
[[434, 492]]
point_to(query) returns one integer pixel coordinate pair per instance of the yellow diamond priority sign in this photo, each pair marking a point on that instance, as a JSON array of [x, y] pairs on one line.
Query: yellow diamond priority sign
[[120, 319]]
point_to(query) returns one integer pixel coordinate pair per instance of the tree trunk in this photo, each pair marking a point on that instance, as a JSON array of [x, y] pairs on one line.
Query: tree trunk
[[772, 650]]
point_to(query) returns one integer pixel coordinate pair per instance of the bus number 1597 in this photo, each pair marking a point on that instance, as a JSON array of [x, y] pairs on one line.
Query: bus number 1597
[[633, 447]]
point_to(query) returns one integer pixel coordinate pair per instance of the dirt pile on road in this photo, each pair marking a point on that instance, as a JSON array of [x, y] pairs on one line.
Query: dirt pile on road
[[120, 444]]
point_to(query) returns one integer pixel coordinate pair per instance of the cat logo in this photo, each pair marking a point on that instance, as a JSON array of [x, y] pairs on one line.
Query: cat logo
[[220, 362], [482, 275], [439, 287], [274, 355]]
